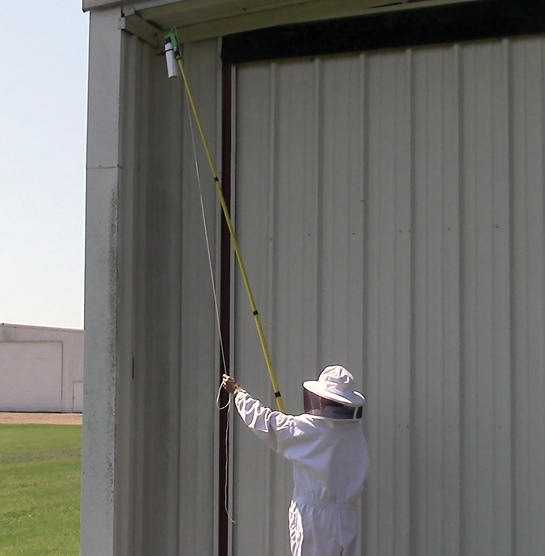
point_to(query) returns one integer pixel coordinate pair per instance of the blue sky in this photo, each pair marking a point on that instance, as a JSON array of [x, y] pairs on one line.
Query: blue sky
[[43, 106]]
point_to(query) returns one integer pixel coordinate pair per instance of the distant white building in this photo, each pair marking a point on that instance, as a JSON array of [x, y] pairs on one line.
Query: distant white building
[[41, 369]]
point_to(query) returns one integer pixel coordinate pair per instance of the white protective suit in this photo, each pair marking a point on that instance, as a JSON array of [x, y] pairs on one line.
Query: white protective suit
[[330, 462]]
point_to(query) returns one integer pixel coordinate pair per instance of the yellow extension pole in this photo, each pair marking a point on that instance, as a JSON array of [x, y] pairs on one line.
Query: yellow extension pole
[[225, 209]]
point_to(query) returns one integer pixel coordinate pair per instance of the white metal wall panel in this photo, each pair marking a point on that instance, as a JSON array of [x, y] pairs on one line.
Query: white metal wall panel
[[100, 358], [390, 209], [486, 367], [31, 376], [173, 340], [436, 301], [528, 268], [149, 478], [199, 358], [388, 311]]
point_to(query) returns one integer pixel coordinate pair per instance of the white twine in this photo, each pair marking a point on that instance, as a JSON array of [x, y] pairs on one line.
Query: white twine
[[216, 306]]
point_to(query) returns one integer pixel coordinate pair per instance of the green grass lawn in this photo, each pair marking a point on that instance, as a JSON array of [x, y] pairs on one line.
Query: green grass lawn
[[39, 490]]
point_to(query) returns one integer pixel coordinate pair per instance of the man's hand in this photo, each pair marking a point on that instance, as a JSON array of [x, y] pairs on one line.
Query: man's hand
[[230, 384]]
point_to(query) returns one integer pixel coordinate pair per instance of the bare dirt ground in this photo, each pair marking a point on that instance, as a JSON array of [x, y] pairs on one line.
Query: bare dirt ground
[[40, 418]]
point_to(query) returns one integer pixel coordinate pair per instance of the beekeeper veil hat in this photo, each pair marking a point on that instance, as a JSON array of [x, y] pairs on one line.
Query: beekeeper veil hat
[[335, 383]]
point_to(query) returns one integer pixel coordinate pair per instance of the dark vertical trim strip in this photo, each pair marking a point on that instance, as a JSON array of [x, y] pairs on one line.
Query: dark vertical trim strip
[[225, 306]]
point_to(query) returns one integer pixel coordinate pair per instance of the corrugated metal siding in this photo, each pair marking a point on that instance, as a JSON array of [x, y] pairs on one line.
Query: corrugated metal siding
[[200, 366], [151, 357], [174, 336], [390, 209], [528, 268]]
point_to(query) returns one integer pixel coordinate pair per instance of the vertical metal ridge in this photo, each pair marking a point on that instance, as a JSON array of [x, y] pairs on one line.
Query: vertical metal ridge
[[319, 184], [530, 294], [311, 206], [444, 295], [174, 325], [364, 106], [272, 218], [501, 329], [419, 229], [462, 299], [225, 306], [520, 309], [540, 287], [519, 407], [140, 262], [402, 241], [467, 270], [512, 294], [273, 206], [124, 448], [452, 326], [413, 483]]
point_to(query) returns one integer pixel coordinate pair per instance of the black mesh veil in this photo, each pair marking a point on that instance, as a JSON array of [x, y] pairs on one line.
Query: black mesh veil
[[322, 407]]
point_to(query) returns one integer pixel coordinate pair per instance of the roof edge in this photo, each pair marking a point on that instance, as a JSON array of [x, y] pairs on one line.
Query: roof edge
[[87, 5], [38, 327]]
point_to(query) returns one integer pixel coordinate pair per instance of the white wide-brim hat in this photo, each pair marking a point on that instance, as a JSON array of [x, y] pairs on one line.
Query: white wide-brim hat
[[335, 383]]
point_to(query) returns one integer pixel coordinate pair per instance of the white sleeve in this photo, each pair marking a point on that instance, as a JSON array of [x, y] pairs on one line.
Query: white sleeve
[[273, 427]]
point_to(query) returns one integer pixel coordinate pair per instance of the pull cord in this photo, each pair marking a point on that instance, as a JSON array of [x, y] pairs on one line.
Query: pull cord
[[172, 39], [227, 406], [216, 307], [205, 228]]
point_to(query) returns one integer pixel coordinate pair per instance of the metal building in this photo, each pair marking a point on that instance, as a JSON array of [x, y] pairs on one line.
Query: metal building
[[41, 369], [385, 170]]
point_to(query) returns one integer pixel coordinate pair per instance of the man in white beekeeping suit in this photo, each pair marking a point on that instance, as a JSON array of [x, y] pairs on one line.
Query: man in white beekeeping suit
[[330, 459]]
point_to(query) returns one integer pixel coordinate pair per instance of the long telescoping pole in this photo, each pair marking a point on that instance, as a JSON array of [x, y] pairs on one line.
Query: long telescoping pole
[[172, 50]]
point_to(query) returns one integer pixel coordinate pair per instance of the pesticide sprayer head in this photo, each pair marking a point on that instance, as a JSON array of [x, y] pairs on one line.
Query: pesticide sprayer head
[[172, 53]]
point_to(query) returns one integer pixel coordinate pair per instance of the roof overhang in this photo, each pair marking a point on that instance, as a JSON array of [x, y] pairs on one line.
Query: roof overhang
[[202, 19]]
